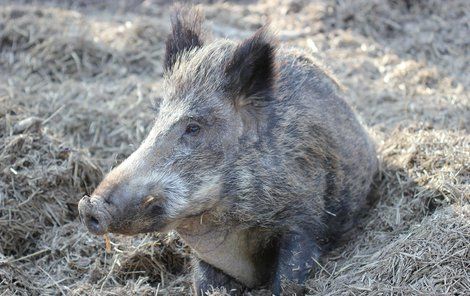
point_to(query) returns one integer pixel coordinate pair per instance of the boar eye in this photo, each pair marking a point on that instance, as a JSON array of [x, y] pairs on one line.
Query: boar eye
[[192, 129]]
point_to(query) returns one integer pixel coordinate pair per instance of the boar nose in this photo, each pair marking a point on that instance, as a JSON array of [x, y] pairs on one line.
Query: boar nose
[[95, 214]]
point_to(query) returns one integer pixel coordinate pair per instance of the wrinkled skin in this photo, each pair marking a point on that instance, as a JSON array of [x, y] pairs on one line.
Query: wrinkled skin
[[254, 159]]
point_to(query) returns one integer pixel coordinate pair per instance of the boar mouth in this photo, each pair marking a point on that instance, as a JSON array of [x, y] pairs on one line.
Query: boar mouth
[[148, 216]]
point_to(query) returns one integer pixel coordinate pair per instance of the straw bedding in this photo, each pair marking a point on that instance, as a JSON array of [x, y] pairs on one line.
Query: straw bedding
[[77, 81]]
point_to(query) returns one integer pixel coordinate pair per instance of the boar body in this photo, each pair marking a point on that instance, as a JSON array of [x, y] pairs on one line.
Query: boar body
[[311, 169], [255, 159]]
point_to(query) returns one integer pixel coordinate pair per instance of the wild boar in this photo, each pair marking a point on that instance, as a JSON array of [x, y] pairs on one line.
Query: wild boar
[[254, 159]]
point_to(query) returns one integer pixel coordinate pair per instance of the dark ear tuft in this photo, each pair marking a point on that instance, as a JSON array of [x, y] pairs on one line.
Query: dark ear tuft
[[185, 33], [251, 71]]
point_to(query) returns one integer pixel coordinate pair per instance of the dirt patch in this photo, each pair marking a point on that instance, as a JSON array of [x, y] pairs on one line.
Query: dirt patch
[[77, 84]]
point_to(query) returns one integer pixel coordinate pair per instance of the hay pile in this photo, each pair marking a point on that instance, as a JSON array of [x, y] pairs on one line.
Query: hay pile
[[77, 80]]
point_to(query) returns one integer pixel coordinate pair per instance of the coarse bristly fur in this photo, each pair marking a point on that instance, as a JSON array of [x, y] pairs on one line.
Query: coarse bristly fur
[[268, 164]]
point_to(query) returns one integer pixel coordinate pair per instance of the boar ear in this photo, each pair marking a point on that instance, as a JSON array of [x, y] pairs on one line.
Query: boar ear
[[185, 33], [251, 71]]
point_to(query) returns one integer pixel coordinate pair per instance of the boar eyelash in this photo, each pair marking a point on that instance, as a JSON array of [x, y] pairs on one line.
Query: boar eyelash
[[197, 119]]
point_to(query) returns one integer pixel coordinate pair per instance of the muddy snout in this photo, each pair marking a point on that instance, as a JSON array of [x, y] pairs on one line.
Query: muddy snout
[[94, 212]]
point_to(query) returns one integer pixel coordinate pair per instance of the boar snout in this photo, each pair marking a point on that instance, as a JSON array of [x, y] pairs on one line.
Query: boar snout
[[94, 212]]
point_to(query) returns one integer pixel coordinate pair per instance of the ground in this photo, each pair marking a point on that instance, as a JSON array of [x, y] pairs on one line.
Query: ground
[[77, 82]]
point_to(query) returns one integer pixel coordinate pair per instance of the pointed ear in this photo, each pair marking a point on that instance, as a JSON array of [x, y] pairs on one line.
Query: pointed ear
[[185, 34], [251, 71]]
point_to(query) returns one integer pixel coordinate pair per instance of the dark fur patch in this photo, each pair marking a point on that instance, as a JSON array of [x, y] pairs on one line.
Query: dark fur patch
[[298, 254], [206, 278], [186, 34], [251, 71]]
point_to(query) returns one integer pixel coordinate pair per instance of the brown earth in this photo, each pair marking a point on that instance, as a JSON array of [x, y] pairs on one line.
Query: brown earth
[[77, 80]]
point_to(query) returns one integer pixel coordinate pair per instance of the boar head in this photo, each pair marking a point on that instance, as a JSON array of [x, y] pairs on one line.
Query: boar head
[[214, 103]]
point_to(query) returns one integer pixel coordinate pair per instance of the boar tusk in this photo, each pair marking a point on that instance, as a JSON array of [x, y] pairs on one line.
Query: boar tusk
[[147, 200]]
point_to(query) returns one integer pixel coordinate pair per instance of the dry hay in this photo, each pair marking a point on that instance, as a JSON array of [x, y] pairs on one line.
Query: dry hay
[[77, 83], [431, 258]]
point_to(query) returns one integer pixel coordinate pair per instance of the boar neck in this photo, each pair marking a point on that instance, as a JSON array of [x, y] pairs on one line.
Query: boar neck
[[228, 248]]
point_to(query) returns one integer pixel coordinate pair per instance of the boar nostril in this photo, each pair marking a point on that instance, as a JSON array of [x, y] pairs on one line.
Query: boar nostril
[[94, 214], [94, 221], [95, 225]]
